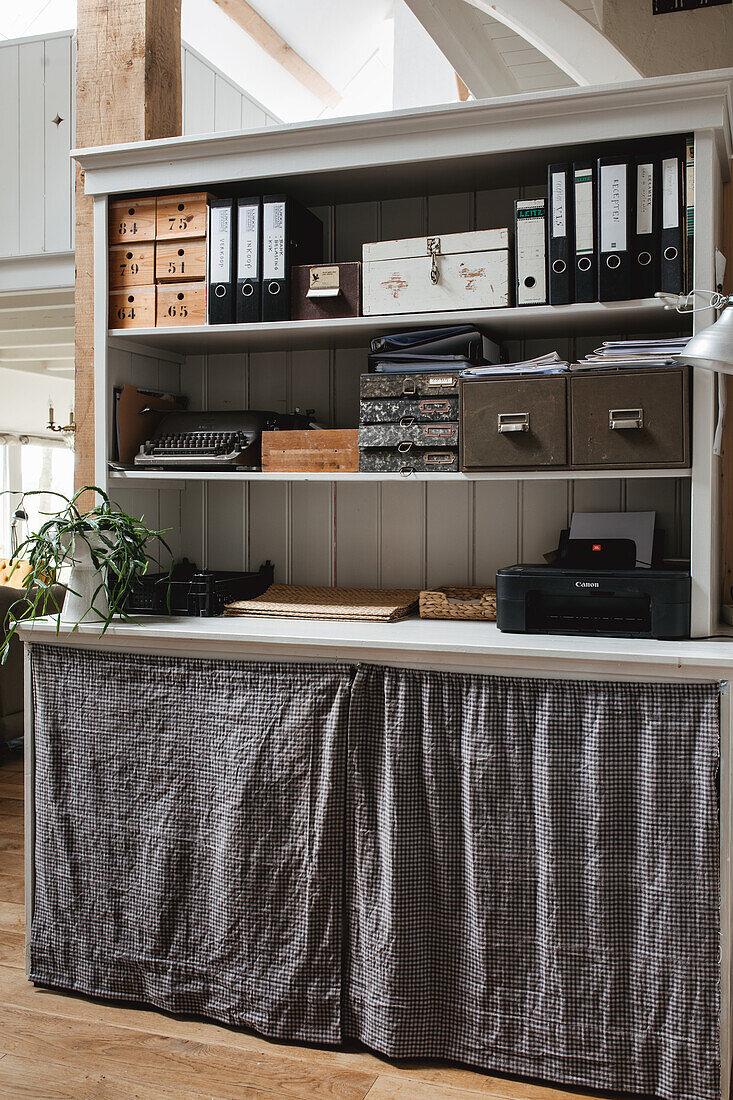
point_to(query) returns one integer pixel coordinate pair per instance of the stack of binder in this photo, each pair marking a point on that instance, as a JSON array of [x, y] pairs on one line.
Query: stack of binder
[[253, 243], [613, 228]]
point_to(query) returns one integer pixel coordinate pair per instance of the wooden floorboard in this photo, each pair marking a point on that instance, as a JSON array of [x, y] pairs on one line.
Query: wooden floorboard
[[55, 1044]]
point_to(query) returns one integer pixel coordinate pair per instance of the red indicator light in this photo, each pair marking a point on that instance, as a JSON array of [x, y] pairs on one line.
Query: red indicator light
[[596, 546]]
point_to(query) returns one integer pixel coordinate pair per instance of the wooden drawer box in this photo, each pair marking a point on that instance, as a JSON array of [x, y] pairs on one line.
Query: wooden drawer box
[[331, 450], [132, 265], [132, 308], [181, 216], [513, 424], [131, 220], [180, 261], [631, 418], [181, 304]]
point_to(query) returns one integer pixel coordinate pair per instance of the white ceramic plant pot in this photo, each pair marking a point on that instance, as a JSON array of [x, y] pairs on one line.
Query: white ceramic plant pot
[[80, 603]]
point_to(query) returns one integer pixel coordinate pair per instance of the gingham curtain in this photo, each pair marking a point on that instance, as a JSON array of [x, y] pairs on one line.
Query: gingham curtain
[[190, 835], [532, 879], [531, 866]]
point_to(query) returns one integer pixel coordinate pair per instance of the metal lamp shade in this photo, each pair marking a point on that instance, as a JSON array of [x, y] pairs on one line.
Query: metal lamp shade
[[712, 348]]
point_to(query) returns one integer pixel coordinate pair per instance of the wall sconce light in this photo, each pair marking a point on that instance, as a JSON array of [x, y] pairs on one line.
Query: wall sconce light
[[52, 426]]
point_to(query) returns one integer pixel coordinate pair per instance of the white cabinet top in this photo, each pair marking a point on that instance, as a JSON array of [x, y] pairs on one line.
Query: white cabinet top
[[468, 145], [456, 646]]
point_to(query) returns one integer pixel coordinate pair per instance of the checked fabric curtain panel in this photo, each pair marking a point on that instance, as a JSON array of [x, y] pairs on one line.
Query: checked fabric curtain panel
[[519, 874]]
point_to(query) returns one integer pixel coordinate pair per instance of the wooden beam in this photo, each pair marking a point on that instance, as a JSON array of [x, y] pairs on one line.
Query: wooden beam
[[252, 23], [457, 31], [564, 37], [128, 88]]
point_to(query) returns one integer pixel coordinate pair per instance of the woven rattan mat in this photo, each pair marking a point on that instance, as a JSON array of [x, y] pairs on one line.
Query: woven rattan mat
[[295, 601]]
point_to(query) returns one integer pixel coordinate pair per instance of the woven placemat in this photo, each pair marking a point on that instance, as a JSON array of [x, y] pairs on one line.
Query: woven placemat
[[296, 601]]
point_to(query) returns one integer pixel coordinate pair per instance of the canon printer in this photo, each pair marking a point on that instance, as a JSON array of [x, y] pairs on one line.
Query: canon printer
[[594, 587]]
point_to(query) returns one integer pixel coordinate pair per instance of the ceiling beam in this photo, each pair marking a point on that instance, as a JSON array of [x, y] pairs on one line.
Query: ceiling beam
[[458, 33], [564, 37], [37, 338], [252, 23]]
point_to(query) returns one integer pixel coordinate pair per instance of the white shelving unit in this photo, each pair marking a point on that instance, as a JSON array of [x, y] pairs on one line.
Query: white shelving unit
[[161, 476], [440, 170], [582, 319]]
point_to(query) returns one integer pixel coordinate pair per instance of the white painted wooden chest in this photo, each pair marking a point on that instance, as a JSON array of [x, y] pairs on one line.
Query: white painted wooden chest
[[425, 274]]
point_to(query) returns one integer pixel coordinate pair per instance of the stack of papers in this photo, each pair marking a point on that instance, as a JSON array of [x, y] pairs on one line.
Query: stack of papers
[[618, 354], [551, 363]]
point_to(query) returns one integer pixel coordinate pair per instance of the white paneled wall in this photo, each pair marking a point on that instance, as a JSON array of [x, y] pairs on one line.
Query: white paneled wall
[[36, 182], [391, 534], [212, 102], [36, 192]]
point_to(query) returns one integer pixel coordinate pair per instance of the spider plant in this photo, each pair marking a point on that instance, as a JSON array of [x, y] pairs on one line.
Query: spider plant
[[117, 543]]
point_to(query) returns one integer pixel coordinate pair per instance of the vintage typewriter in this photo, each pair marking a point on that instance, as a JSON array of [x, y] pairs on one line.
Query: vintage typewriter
[[213, 440]]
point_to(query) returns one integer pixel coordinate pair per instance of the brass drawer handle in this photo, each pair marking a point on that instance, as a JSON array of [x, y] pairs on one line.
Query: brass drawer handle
[[623, 419], [404, 446], [407, 421], [513, 422]]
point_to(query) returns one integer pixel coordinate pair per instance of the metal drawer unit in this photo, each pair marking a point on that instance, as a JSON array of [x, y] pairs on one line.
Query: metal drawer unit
[[514, 424], [635, 418]]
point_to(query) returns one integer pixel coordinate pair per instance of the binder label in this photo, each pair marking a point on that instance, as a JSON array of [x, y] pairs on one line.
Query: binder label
[[247, 257], [613, 207], [670, 194], [559, 227], [274, 241], [583, 211], [220, 245], [644, 197]]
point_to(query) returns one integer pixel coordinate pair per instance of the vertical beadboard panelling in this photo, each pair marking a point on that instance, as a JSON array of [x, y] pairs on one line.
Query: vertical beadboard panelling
[[544, 513], [357, 534], [597, 496], [402, 534], [268, 381], [403, 218], [253, 116], [310, 384], [354, 223], [326, 215], [312, 532], [194, 496], [496, 529], [495, 209], [227, 389], [227, 105], [269, 526], [169, 520], [198, 96], [657, 495], [32, 137], [449, 533], [348, 365], [450, 213], [269, 503], [58, 167], [10, 145]]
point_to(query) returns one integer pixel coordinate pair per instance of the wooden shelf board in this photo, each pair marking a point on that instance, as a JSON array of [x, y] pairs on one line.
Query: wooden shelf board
[[166, 476], [607, 318]]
